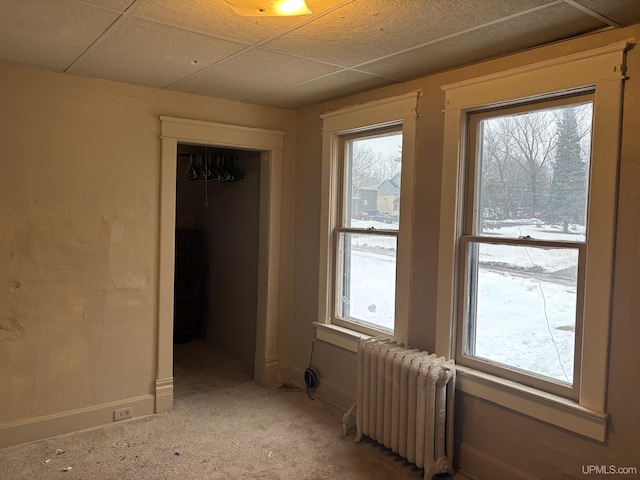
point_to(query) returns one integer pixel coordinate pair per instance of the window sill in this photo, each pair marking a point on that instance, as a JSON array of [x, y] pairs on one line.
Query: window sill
[[543, 406], [339, 336]]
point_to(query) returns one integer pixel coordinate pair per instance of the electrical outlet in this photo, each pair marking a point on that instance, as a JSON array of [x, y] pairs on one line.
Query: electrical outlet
[[122, 413]]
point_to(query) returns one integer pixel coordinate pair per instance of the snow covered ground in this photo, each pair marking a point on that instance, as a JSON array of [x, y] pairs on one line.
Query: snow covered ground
[[526, 297]]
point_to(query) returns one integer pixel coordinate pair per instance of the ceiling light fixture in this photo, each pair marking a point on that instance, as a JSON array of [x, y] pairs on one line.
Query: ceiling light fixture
[[269, 8]]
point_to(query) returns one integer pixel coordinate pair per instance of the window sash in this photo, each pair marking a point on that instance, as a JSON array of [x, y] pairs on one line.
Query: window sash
[[468, 269], [341, 240], [343, 205], [474, 145], [343, 227]]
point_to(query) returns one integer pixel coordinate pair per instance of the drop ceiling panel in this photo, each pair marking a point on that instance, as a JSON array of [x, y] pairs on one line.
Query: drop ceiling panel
[[624, 12], [253, 73], [217, 18], [390, 27], [121, 5], [168, 56], [515, 34], [49, 34], [337, 85]]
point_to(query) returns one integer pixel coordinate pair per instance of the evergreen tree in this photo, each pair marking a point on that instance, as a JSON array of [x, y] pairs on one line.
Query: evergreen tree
[[568, 190]]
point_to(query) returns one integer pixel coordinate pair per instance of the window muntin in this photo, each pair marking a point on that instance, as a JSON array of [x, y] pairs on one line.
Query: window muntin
[[366, 233], [523, 244]]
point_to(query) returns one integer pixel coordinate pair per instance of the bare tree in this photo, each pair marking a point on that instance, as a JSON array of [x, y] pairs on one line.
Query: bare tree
[[534, 135], [518, 151], [499, 173], [363, 166], [369, 167]]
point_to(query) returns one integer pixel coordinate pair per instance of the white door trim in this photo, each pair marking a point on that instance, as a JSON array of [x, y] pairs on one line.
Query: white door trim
[[271, 144]]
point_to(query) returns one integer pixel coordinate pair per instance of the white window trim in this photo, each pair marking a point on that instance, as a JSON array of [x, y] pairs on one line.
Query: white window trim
[[401, 108], [604, 69]]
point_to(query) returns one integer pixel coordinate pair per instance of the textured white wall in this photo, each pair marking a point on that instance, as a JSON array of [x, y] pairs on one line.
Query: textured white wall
[[79, 236]]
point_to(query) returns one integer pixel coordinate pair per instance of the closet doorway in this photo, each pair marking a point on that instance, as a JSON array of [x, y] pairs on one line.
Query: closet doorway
[[217, 243], [268, 144]]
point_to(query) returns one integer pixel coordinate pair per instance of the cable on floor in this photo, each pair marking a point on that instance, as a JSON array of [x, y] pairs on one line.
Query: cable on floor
[[311, 378]]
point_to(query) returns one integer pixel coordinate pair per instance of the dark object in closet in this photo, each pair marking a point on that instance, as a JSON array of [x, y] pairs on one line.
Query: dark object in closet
[[191, 274]]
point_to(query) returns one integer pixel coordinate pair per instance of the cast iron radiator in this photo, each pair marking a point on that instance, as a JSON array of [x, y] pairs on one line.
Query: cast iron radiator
[[405, 401]]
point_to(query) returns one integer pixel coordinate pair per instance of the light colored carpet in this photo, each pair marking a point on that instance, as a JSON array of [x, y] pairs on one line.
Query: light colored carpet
[[223, 426]]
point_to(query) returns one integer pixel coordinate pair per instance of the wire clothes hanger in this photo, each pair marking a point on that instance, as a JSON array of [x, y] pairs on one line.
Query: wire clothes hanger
[[213, 168]]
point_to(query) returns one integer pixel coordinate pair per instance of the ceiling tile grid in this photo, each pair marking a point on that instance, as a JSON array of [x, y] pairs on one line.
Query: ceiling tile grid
[[344, 47], [514, 34], [50, 34], [623, 12], [340, 84], [253, 73], [215, 17], [120, 5], [170, 54], [346, 36]]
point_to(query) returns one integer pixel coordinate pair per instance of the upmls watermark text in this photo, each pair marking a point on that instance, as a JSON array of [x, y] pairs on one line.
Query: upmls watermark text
[[608, 470]]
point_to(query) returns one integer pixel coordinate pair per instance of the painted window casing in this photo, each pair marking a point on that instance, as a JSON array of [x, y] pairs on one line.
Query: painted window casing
[[601, 71], [388, 115]]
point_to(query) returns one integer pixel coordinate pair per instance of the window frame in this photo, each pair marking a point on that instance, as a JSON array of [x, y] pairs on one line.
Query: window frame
[[469, 236], [602, 70], [399, 111], [342, 215]]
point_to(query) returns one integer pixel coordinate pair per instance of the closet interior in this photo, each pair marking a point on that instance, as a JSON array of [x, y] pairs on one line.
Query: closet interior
[[216, 247]]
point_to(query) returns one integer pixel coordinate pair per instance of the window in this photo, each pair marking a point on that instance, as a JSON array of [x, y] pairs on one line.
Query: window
[[367, 229], [527, 224], [367, 185], [524, 243]]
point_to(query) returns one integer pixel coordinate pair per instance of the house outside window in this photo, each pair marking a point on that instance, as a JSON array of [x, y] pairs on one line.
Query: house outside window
[[388, 199]]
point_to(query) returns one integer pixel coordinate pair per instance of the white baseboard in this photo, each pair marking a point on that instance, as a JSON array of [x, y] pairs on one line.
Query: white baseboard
[[48, 426], [327, 391], [481, 465], [267, 372], [164, 394]]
